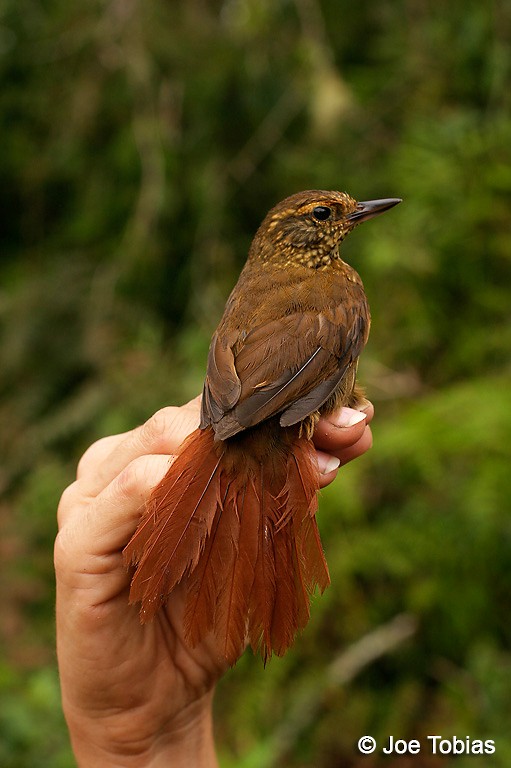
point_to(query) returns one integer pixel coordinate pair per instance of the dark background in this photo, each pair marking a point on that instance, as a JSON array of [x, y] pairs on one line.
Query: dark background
[[141, 144]]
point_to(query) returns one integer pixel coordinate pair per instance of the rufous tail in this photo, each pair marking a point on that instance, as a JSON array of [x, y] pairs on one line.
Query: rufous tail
[[243, 536]]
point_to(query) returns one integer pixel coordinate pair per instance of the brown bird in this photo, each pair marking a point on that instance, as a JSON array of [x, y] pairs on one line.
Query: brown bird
[[235, 514]]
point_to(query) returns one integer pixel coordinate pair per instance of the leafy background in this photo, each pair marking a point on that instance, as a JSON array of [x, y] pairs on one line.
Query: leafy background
[[141, 145]]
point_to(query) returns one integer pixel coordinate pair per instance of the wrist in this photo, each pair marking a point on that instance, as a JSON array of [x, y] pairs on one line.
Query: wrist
[[118, 741]]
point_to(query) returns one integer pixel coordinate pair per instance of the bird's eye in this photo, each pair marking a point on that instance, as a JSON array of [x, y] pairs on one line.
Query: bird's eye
[[321, 212]]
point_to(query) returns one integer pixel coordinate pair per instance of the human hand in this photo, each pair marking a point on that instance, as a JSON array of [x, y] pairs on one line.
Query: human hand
[[137, 695]]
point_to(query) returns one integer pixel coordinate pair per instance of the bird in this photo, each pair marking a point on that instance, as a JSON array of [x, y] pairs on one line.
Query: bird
[[234, 517]]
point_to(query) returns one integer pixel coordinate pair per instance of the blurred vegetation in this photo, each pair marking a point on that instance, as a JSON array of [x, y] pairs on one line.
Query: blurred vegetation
[[141, 145]]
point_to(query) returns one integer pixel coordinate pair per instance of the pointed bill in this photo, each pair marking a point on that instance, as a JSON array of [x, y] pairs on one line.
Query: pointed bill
[[370, 208]]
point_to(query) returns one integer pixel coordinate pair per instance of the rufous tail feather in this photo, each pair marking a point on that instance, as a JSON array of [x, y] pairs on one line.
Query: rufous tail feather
[[243, 539]]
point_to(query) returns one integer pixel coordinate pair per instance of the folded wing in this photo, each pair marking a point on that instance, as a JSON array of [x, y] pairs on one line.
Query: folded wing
[[289, 366]]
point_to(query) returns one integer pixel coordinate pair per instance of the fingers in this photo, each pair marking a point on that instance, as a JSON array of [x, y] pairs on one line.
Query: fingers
[[88, 549], [163, 433], [96, 454], [90, 533], [342, 427], [110, 465], [100, 511], [341, 437]]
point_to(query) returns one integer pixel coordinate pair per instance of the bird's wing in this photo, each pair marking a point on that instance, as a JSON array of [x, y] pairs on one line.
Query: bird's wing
[[222, 387], [289, 366]]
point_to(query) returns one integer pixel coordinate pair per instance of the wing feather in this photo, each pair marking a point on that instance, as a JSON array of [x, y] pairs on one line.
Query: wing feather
[[289, 366], [222, 386]]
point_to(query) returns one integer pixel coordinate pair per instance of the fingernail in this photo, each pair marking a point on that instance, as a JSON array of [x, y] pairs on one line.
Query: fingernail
[[346, 417], [327, 463]]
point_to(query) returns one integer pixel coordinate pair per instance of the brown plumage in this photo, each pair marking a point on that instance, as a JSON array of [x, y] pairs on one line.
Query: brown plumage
[[234, 516]]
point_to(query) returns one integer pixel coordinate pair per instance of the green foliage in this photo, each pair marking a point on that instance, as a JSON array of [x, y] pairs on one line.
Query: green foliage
[[31, 721], [141, 145]]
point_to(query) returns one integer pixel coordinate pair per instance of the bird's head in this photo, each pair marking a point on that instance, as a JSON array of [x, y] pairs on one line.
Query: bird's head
[[306, 228]]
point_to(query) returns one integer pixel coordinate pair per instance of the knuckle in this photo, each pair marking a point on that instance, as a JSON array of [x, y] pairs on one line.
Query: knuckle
[[133, 479], [63, 551], [71, 560], [68, 496], [68, 501], [89, 456], [156, 427]]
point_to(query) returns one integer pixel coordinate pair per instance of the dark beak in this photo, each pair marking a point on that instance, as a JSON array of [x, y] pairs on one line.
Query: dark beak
[[371, 208]]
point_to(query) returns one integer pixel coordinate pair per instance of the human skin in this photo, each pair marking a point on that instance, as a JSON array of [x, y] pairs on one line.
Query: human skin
[[137, 695]]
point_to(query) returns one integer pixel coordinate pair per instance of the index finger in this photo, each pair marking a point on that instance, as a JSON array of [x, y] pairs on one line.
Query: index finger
[[163, 433]]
